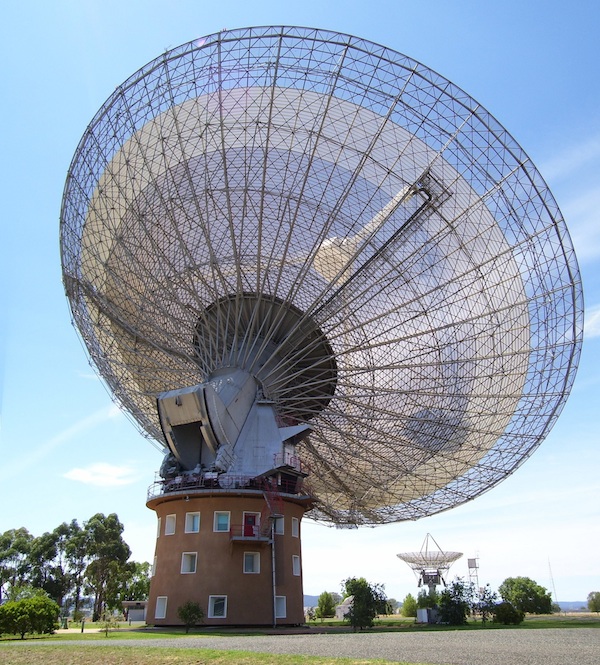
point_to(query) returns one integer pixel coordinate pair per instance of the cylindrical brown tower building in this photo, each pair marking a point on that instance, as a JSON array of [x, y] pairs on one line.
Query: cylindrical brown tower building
[[230, 550]]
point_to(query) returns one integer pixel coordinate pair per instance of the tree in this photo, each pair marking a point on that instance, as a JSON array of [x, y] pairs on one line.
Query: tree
[[136, 585], [368, 600], [15, 545], [76, 553], [109, 554], [455, 602], [427, 599], [191, 614], [48, 561], [593, 601], [485, 604], [409, 606], [325, 606], [392, 606], [526, 595], [507, 613]]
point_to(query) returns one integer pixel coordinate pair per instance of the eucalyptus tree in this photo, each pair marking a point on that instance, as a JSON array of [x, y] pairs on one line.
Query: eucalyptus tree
[[108, 554], [15, 545]]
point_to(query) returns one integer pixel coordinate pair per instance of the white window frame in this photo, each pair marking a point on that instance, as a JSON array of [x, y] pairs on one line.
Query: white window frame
[[211, 607], [296, 568], [190, 559], [161, 604], [280, 607], [158, 525], [295, 527], [189, 517], [256, 563], [170, 520], [279, 524], [215, 521]]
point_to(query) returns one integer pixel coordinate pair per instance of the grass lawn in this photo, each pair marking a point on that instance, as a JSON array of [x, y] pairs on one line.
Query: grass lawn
[[43, 654], [40, 650]]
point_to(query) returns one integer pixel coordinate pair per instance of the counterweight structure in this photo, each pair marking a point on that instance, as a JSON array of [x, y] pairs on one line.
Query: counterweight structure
[[324, 279]]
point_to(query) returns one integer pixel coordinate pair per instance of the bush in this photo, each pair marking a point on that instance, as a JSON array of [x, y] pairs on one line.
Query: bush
[[38, 614], [191, 614], [507, 613]]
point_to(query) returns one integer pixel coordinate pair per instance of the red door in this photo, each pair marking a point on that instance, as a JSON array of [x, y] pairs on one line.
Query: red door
[[250, 525]]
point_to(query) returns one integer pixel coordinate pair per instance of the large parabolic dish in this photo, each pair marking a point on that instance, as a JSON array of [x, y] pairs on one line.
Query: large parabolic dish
[[352, 230]]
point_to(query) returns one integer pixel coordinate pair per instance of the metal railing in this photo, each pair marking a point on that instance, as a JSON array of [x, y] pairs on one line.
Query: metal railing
[[212, 481]]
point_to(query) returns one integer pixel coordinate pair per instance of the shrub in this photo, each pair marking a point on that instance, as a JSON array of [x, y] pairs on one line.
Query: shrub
[[191, 614], [507, 613], [38, 614]]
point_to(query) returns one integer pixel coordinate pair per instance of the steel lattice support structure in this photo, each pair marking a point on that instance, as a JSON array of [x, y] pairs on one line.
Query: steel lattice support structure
[[348, 227]]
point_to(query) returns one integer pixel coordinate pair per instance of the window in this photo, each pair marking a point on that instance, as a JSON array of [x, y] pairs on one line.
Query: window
[[251, 562], [188, 562], [153, 572], [161, 607], [295, 527], [170, 525], [296, 564], [192, 522], [280, 607], [221, 522], [158, 527], [279, 525], [217, 607]]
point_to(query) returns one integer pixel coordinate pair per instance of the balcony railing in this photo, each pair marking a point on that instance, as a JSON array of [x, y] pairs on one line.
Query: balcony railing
[[208, 480], [246, 532]]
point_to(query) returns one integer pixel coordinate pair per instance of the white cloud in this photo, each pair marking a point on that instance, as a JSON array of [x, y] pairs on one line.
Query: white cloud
[[74, 431], [571, 160], [592, 322], [581, 214], [573, 175], [103, 475]]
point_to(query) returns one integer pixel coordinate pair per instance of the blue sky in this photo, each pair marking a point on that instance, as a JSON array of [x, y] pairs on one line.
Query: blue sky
[[67, 452]]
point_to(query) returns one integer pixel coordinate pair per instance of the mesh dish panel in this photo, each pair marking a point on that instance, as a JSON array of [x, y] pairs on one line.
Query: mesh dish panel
[[260, 166]]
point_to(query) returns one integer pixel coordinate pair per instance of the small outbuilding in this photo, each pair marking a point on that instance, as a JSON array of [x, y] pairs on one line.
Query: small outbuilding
[[344, 607], [135, 610]]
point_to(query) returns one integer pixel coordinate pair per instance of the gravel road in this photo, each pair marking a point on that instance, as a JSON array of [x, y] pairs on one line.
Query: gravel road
[[565, 646]]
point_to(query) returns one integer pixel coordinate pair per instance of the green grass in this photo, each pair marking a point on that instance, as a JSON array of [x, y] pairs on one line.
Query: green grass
[[94, 632], [38, 654], [40, 650], [402, 624]]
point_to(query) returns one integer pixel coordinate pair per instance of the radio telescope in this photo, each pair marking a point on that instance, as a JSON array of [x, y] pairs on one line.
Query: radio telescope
[[318, 274], [430, 564]]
